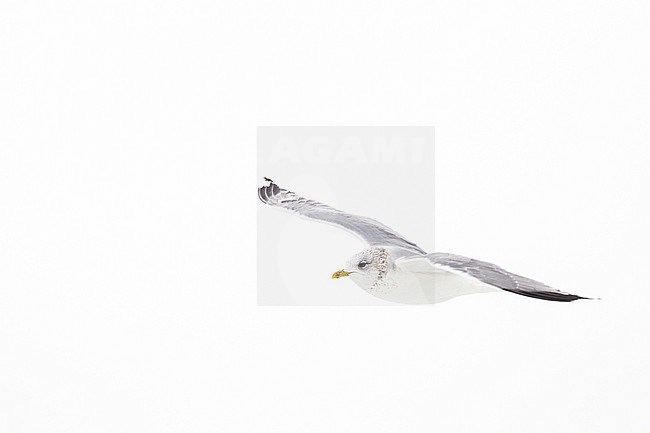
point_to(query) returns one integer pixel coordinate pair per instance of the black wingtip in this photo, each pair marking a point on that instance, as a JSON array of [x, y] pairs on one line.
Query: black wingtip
[[586, 297], [265, 192], [548, 295]]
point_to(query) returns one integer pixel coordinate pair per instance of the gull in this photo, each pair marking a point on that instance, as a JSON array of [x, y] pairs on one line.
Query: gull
[[397, 270]]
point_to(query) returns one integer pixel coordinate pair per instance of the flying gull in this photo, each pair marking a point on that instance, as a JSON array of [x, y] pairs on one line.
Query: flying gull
[[397, 270]]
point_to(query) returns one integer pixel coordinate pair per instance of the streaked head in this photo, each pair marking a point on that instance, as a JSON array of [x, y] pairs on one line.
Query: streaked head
[[367, 267]]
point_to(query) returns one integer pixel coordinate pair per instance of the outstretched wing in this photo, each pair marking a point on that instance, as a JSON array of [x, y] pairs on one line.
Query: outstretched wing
[[371, 231], [496, 276]]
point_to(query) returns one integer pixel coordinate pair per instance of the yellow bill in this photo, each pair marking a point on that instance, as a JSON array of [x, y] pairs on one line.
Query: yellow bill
[[339, 274]]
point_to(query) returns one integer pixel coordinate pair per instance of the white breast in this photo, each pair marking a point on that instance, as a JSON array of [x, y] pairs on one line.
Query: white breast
[[420, 282]]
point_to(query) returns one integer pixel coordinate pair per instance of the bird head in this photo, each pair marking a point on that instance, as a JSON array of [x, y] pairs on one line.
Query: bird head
[[366, 267]]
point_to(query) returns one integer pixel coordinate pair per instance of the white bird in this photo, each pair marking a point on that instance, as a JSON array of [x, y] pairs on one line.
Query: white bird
[[397, 270]]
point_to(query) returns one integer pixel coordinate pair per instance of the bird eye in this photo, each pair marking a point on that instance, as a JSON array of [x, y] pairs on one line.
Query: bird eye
[[362, 264]]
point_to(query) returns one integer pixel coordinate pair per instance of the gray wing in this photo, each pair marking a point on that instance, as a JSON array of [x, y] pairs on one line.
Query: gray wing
[[371, 231], [498, 277]]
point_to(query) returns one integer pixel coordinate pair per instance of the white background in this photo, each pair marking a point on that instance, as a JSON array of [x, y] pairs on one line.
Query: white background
[[127, 224]]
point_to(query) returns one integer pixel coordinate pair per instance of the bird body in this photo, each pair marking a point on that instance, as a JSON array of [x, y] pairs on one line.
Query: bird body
[[395, 275]]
